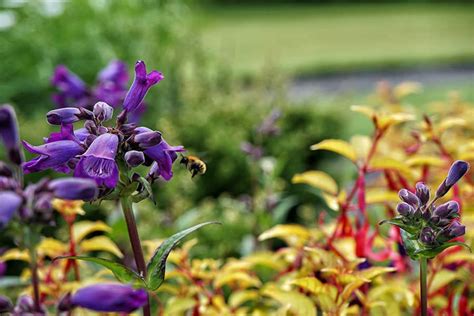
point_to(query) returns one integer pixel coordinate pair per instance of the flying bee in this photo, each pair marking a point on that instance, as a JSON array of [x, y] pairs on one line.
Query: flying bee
[[194, 165]]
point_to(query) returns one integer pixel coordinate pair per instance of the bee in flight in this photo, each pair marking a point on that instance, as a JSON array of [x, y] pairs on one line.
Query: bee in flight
[[194, 165]]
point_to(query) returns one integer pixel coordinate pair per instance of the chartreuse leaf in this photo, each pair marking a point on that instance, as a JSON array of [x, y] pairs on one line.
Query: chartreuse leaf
[[156, 266], [398, 221], [341, 147], [121, 272], [298, 303]]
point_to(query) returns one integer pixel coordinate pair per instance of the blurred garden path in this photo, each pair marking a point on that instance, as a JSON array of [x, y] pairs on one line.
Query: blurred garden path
[[306, 88]]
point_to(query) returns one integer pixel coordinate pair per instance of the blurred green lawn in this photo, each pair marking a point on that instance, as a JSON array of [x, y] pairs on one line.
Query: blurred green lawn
[[316, 39]]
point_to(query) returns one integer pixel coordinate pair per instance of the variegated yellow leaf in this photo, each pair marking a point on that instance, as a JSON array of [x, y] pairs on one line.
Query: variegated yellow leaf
[[179, 305], [350, 288], [451, 122], [239, 297], [385, 163], [338, 146], [84, 228], [374, 272], [394, 119], [293, 234], [375, 196], [15, 254], [298, 303], [361, 145], [441, 279], [317, 179], [367, 111], [100, 243], [236, 277], [422, 160], [406, 88], [52, 248], [309, 284]]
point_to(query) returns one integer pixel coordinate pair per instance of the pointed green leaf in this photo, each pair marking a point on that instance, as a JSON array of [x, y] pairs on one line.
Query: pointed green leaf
[[412, 246], [146, 187], [156, 266], [433, 252], [121, 272], [398, 221]]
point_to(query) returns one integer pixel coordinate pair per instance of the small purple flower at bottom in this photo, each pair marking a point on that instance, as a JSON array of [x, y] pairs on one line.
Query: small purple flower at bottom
[[98, 162], [110, 297]]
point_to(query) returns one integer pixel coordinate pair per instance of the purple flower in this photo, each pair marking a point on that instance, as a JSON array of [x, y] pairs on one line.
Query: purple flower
[[141, 84], [9, 133], [112, 83], [11, 202], [74, 189], [148, 139], [67, 115], [72, 90], [447, 210], [456, 172], [422, 192], [110, 297], [164, 155], [54, 155], [454, 230], [405, 209], [98, 162]]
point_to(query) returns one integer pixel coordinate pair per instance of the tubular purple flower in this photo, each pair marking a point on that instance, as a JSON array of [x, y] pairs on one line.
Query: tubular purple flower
[[454, 230], [110, 297], [164, 155], [67, 115], [11, 202], [140, 86], [422, 192], [148, 139], [114, 73], [134, 158], [449, 209], [9, 133], [74, 189], [103, 112], [54, 155], [456, 172], [72, 90], [409, 197], [98, 162]]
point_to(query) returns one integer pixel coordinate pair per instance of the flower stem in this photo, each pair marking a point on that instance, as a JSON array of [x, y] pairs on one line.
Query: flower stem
[[35, 280], [127, 209], [423, 287]]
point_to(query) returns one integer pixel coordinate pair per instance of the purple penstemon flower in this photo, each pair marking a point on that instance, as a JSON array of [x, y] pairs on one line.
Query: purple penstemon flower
[[98, 162], [9, 133], [11, 203], [110, 297], [112, 83], [163, 156], [141, 84], [53, 155], [72, 90]]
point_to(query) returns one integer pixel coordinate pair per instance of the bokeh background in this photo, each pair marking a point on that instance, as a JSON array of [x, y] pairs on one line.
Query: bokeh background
[[229, 66]]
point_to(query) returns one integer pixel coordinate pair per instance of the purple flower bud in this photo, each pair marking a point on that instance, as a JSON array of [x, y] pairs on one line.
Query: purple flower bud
[[141, 84], [447, 210], [9, 133], [148, 139], [110, 297], [134, 158], [74, 189], [98, 162], [423, 193], [164, 155], [409, 197], [67, 115], [11, 202], [456, 172], [53, 155], [103, 112], [6, 305], [454, 230], [427, 236], [405, 209]]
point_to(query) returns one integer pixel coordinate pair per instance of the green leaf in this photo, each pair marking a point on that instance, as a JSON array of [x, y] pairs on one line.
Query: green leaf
[[121, 272], [156, 266], [433, 252], [398, 221], [146, 188], [412, 246]]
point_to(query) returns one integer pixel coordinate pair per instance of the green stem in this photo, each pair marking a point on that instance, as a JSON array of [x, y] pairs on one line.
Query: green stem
[[127, 208], [423, 286]]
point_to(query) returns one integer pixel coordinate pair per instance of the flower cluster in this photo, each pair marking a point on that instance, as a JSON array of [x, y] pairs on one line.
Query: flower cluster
[[431, 225], [96, 151], [33, 202]]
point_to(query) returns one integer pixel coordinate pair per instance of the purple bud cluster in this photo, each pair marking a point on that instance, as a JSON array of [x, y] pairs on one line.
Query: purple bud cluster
[[436, 224], [97, 151]]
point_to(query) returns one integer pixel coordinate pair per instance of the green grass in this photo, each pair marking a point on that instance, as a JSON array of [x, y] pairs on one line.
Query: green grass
[[316, 39]]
